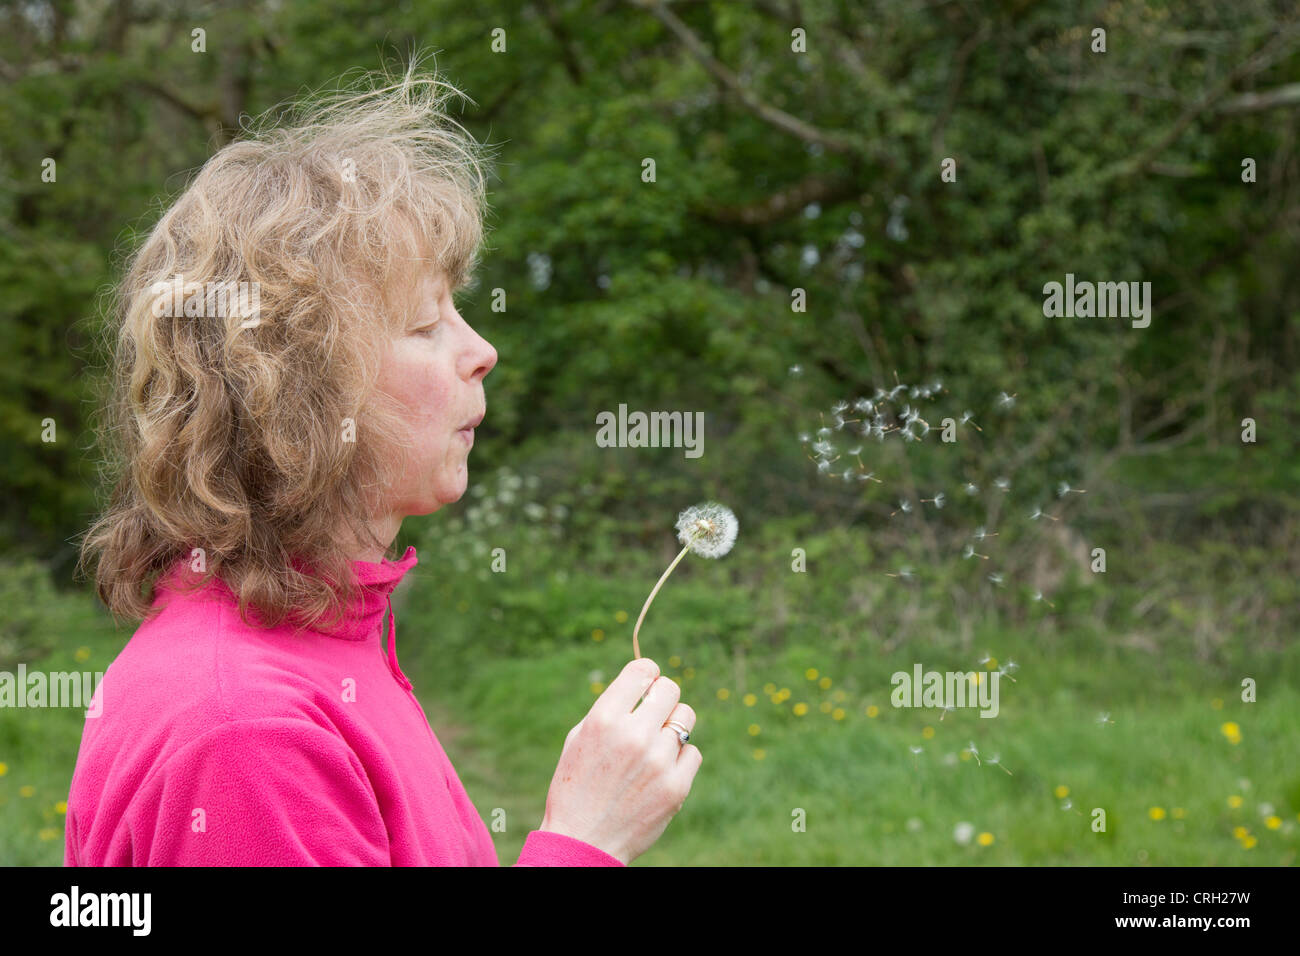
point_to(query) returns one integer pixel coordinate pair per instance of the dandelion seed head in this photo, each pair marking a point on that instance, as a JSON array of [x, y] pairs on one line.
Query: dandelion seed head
[[709, 529], [938, 500]]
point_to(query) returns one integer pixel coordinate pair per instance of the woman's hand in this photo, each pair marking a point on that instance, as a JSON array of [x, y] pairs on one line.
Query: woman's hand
[[622, 774]]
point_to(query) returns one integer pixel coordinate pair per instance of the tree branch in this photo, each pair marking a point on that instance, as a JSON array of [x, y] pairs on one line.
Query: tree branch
[[1261, 59], [1288, 95], [784, 203], [782, 120]]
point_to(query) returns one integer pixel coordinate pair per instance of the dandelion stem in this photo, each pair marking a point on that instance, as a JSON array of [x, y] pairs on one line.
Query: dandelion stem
[[636, 648]]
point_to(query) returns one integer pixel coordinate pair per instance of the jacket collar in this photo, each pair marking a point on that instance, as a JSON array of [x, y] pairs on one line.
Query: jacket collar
[[375, 584]]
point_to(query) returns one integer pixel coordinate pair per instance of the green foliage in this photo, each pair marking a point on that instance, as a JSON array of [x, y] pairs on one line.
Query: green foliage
[[26, 593]]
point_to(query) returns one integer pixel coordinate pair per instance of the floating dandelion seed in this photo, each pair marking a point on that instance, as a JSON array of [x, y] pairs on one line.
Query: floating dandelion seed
[[1040, 513], [1003, 484], [1006, 669], [996, 578], [937, 500], [904, 506], [839, 408], [870, 476], [796, 370], [985, 659], [905, 572], [893, 392], [980, 534], [824, 467], [947, 709], [915, 749], [1038, 596], [996, 760], [823, 432], [1064, 489], [804, 438], [823, 448], [840, 421], [1006, 401], [709, 530], [971, 488], [862, 405], [970, 552], [848, 474], [974, 752], [1104, 718]]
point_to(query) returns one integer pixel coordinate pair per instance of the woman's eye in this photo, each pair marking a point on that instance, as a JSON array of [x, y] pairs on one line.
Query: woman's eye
[[427, 330]]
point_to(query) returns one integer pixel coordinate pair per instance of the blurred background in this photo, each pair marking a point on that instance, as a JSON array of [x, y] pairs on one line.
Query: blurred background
[[797, 246]]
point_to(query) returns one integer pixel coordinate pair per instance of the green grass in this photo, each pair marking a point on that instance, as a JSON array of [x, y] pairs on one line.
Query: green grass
[[38, 747], [867, 800]]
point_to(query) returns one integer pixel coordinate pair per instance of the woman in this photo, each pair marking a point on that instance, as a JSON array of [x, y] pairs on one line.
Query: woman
[[269, 439]]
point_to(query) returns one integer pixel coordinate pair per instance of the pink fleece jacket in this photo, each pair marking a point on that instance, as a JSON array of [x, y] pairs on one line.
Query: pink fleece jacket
[[220, 744]]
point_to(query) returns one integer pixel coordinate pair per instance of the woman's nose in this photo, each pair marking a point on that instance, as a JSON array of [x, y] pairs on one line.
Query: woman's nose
[[484, 357]]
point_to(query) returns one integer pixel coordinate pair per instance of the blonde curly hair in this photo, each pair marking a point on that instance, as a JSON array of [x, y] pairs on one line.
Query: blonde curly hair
[[232, 437]]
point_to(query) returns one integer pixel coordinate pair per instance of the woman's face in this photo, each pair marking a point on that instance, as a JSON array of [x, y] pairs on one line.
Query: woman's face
[[434, 370]]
